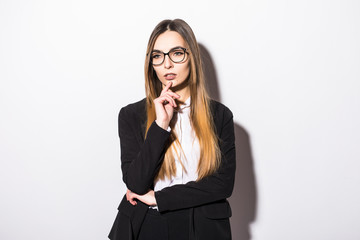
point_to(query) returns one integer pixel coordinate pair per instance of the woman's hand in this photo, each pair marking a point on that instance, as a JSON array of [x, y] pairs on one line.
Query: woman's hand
[[164, 106], [148, 198]]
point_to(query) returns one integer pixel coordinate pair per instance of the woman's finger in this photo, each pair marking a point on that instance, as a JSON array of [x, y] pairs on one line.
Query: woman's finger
[[168, 91], [167, 86], [130, 196], [170, 100], [172, 94], [165, 99]]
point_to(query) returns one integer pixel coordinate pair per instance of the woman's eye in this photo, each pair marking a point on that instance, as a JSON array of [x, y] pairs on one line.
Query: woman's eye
[[154, 56], [178, 53]]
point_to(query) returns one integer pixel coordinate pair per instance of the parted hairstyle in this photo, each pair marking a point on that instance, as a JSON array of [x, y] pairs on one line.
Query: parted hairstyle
[[200, 114]]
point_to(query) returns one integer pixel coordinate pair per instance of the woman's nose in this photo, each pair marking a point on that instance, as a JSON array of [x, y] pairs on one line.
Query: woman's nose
[[167, 62]]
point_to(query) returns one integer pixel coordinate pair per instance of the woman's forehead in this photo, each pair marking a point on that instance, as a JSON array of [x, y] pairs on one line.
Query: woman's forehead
[[168, 40]]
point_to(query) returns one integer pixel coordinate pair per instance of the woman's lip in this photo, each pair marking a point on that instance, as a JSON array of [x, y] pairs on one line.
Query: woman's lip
[[170, 76]]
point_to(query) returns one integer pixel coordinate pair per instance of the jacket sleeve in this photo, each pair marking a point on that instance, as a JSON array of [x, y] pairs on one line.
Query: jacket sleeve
[[211, 188], [140, 160]]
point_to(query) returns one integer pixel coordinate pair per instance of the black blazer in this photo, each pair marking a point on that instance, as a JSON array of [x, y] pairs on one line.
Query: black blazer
[[141, 160]]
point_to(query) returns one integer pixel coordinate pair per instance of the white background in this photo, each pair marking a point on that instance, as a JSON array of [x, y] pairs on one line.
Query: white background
[[289, 71]]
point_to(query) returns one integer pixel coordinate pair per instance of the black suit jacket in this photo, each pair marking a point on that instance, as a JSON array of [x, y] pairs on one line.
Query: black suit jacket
[[141, 159]]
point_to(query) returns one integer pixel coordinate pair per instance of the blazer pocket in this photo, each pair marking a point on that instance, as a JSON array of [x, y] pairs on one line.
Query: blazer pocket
[[217, 210]]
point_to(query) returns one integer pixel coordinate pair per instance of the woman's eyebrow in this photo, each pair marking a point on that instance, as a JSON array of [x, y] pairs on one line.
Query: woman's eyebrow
[[157, 50]]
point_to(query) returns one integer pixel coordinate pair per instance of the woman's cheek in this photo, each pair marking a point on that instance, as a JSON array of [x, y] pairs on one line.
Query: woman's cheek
[[159, 75]]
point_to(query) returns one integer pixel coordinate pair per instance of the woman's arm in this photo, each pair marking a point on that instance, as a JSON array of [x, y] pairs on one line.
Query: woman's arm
[[140, 160], [209, 189]]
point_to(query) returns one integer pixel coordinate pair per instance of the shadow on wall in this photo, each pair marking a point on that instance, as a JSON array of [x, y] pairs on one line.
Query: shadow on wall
[[244, 198]]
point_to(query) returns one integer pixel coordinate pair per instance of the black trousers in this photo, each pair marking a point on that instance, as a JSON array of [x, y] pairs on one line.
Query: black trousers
[[173, 225]]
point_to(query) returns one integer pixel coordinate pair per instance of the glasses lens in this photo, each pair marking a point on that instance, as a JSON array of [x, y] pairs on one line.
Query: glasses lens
[[157, 58], [177, 55]]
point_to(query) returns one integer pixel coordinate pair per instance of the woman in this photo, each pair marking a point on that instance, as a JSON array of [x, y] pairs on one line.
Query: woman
[[177, 148]]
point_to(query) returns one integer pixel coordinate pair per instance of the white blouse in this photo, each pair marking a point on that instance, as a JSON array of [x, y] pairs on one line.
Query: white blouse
[[191, 150]]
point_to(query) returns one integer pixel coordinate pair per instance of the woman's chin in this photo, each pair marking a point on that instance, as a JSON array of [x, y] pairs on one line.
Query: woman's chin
[[166, 82], [176, 84]]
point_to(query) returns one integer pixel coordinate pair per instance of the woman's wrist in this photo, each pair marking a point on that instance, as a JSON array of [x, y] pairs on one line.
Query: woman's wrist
[[152, 193], [162, 124]]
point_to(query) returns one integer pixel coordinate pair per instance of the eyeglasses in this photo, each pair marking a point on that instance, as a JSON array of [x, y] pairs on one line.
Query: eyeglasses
[[176, 55]]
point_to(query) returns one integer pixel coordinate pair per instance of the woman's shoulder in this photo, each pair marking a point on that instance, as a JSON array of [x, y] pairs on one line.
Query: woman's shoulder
[[133, 109], [219, 110], [223, 119]]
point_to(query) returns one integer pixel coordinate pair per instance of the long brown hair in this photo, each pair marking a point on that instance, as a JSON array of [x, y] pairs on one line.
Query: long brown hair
[[200, 114]]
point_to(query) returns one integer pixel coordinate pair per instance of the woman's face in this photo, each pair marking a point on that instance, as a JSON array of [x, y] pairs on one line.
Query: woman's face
[[168, 71]]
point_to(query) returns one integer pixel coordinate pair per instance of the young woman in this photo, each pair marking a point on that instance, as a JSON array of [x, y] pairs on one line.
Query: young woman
[[177, 148]]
